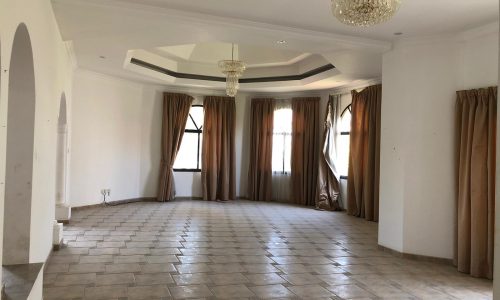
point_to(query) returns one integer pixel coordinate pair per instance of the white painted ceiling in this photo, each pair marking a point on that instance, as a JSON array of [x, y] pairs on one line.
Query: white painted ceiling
[[415, 17], [193, 30], [208, 53]]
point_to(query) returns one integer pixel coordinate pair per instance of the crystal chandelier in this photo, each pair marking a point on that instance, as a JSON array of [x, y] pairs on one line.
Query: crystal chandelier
[[364, 12], [233, 69]]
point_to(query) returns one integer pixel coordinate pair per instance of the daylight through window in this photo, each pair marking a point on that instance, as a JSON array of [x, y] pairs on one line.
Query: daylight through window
[[189, 155], [282, 140]]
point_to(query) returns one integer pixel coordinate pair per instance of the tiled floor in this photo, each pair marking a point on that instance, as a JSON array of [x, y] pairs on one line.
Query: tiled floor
[[196, 249]]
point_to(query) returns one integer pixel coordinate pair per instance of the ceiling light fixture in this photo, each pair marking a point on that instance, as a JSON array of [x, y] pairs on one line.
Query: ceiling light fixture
[[281, 42], [233, 69], [364, 12]]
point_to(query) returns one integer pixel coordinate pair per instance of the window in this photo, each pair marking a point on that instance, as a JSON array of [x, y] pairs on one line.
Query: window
[[344, 142], [189, 155], [282, 140]]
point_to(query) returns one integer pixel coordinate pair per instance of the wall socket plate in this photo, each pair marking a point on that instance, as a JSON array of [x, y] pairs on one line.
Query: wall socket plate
[[106, 192]]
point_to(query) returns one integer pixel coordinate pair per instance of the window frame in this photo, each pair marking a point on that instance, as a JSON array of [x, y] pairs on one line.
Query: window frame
[[198, 131], [283, 135], [347, 108]]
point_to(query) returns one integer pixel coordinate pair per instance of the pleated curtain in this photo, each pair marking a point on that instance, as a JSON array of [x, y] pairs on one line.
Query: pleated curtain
[[364, 154], [305, 150], [476, 112], [175, 114], [218, 149], [261, 150], [328, 180]]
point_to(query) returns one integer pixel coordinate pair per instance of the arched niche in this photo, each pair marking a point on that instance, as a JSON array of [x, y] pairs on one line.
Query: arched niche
[[63, 211], [19, 157]]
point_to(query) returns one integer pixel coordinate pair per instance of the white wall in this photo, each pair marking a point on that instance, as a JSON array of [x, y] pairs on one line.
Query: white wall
[[106, 130], [116, 140], [417, 190], [53, 76]]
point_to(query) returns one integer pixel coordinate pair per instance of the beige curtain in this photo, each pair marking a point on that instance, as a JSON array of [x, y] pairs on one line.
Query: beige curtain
[[261, 150], [218, 154], [305, 150], [475, 180], [364, 154], [175, 114], [328, 180]]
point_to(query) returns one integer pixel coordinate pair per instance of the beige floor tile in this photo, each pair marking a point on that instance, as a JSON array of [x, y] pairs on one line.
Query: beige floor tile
[[302, 279], [190, 291], [350, 291], [192, 279], [265, 279], [113, 279], [193, 268], [152, 279], [106, 292], [148, 292], [310, 291], [87, 268], [214, 250], [232, 291], [123, 268], [75, 279], [272, 291], [226, 279], [73, 292]]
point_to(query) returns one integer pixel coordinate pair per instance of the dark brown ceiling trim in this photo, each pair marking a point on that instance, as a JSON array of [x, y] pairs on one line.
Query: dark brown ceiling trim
[[159, 69]]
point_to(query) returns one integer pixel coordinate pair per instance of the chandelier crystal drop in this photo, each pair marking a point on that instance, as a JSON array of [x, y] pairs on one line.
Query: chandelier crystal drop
[[233, 69], [364, 12]]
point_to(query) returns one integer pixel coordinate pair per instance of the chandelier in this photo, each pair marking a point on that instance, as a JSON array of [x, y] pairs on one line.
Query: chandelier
[[233, 69], [364, 12]]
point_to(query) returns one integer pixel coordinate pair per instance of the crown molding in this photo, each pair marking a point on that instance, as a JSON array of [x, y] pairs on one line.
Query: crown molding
[[70, 50], [478, 32], [463, 36]]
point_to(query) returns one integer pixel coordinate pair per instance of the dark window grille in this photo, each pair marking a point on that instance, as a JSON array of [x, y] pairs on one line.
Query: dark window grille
[[198, 132]]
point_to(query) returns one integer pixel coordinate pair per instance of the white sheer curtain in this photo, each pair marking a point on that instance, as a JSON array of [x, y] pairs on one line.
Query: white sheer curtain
[[282, 148]]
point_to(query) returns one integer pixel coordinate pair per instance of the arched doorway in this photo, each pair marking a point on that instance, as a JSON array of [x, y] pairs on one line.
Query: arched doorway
[[63, 211], [19, 158]]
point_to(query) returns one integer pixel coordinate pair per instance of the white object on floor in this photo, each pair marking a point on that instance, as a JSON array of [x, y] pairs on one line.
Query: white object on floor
[[57, 233], [63, 213]]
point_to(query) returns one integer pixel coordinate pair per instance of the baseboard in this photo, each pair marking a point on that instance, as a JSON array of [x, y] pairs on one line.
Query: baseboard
[[188, 198], [201, 198], [143, 199], [417, 257], [117, 202]]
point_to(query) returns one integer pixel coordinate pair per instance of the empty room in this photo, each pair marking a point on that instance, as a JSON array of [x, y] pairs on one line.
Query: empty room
[[233, 149]]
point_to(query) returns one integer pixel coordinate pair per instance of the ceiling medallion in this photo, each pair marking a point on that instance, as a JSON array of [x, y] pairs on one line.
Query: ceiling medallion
[[364, 12], [233, 69]]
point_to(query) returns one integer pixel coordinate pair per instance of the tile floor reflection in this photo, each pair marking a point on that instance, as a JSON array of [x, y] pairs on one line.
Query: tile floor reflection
[[240, 249]]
